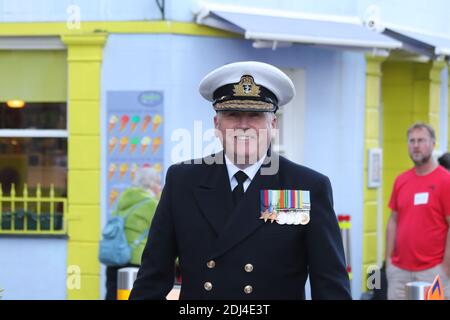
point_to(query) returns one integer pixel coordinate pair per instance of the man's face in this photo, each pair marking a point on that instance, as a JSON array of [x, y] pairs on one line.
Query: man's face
[[420, 146], [245, 136]]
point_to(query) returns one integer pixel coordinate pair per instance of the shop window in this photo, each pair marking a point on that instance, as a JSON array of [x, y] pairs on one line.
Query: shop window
[[33, 116], [33, 168]]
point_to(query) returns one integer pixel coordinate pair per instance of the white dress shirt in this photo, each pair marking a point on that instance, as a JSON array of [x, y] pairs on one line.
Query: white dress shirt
[[249, 171]]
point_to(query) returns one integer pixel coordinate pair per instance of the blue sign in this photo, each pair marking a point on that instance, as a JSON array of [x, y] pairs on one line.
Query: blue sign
[[134, 139], [151, 98]]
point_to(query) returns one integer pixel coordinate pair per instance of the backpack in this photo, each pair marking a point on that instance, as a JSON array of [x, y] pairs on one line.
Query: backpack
[[114, 248]]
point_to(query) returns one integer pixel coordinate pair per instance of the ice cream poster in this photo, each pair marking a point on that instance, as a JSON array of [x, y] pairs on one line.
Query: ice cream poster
[[134, 125]]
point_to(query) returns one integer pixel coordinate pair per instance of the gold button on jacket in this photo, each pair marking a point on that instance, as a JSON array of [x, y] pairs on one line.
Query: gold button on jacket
[[208, 286], [248, 289], [248, 267]]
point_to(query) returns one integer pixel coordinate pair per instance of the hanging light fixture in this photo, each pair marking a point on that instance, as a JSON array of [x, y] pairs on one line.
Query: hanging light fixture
[[15, 104]]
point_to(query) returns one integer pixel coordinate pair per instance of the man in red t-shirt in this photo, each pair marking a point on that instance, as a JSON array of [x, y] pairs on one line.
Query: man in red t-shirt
[[417, 236]]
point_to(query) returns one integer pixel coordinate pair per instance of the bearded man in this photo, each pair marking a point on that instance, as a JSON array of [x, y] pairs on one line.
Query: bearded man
[[417, 237]]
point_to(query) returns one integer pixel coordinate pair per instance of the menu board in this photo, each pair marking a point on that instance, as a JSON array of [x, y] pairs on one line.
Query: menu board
[[135, 124]]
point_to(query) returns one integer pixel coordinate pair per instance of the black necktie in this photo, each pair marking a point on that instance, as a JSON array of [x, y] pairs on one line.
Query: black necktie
[[238, 191]]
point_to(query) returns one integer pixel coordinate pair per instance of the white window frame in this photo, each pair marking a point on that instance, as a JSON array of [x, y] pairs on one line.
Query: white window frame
[[33, 133], [292, 132]]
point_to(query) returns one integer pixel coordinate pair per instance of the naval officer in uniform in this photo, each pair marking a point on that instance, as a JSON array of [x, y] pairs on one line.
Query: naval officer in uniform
[[245, 223]]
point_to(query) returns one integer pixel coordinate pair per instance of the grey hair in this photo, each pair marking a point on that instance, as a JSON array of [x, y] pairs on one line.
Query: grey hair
[[423, 125], [146, 178]]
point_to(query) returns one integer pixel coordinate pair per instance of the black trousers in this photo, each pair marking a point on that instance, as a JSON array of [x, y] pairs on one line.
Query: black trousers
[[111, 281]]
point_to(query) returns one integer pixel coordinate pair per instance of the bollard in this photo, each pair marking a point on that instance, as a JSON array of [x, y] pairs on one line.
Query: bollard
[[417, 290], [344, 225], [348, 256], [125, 281]]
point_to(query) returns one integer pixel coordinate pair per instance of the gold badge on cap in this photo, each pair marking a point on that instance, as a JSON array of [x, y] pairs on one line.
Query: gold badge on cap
[[246, 87]]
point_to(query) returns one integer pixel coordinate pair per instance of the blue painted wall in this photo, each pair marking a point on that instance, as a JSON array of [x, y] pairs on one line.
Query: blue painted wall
[[432, 16], [33, 268], [96, 10]]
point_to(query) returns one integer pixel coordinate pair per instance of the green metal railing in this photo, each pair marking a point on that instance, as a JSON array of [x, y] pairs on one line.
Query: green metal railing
[[38, 214]]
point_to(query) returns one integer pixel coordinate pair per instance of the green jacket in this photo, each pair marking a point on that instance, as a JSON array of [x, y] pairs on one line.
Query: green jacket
[[138, 220]]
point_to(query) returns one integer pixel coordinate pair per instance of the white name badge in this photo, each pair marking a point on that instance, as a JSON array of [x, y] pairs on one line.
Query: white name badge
[[420, 198]]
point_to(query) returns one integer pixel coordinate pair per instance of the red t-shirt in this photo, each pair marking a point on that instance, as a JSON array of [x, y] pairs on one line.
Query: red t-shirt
[[422, 204]]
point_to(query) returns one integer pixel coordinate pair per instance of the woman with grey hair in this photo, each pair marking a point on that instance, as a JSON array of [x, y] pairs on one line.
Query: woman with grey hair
[[138, 203], [148, 179]]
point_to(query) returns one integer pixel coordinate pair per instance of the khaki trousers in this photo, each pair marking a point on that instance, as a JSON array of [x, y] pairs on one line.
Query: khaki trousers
[[397, 279]]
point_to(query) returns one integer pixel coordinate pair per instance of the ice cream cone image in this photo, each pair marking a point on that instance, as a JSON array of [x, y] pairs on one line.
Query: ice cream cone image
[[134, 122], [112, 144], [134, 144], [123, 144], [112, 122], [113, 196], [147, 120], [123, 122], [123, 170], [157, 167], [156, 122], [145, 141], [133, 170], [156, 144], [112, 169]]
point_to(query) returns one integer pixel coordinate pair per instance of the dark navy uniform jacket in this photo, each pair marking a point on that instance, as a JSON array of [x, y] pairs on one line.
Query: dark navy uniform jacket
[[229, 253]]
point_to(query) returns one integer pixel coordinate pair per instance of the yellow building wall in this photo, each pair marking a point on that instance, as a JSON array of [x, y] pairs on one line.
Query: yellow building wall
[[84, 77], [410, 93], [18, 29], [22, 72], [372, 139]]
